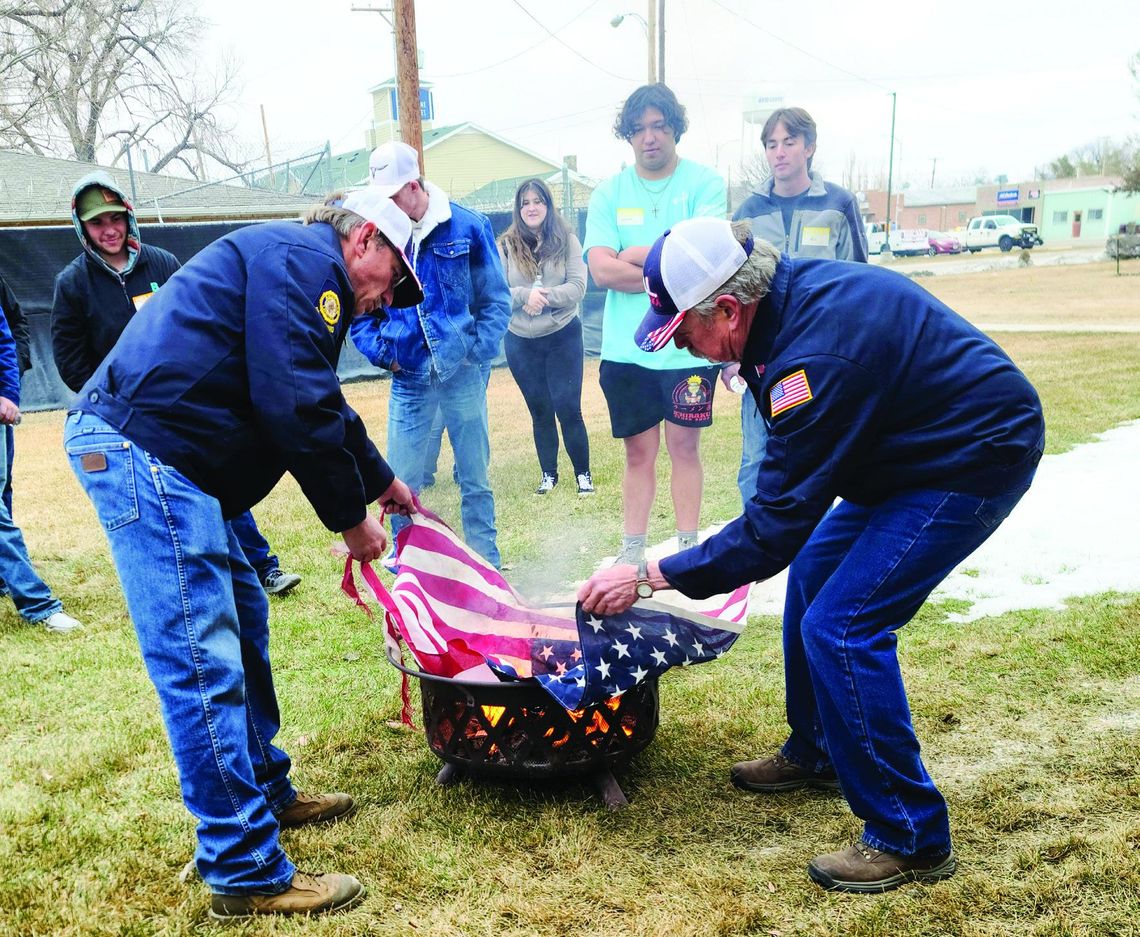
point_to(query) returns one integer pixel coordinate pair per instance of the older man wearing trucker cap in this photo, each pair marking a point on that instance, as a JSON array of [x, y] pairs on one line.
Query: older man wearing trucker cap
[[228, 382], [878, 395]]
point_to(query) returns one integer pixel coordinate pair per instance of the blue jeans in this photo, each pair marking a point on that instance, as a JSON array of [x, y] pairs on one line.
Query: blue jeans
[[753, 439], [861, 576], [254, 545], [463, 400], [202, 621], [435, 440], [18, 578]]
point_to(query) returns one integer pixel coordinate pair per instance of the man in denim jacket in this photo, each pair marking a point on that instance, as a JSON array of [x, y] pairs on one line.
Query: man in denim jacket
[[437, 351]]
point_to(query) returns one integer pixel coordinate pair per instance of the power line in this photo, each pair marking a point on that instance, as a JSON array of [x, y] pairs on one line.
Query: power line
[[511, 58], [561, 42], [802, 51]]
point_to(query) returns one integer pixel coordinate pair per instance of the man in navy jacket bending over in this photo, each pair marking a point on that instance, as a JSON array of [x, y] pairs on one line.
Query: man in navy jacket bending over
[[224, 385], [875, 393]]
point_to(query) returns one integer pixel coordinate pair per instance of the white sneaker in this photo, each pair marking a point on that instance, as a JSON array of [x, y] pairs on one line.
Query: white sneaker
[[585, 484], [546, 485], [61, 623]]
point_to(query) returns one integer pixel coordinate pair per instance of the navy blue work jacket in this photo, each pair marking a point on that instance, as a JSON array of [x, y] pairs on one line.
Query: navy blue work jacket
[[870, 386], [230, 376]]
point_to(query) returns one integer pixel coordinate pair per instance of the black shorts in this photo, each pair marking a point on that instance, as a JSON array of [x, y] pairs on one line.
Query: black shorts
[[640, 398]]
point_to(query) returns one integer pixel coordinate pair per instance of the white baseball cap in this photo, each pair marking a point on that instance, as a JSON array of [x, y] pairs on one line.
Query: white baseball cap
[[686, 265], [372, 205], [392, 166]]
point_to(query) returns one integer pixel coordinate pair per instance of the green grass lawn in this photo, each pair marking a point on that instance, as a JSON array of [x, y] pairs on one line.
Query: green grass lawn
[[1030, 724]]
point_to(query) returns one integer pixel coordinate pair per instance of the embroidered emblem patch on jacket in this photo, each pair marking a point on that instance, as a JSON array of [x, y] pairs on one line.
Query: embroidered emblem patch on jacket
[[329, 308], [790, 392]]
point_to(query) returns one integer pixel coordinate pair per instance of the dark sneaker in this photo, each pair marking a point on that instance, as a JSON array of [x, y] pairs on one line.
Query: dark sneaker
[[318, 893], [315, 808], [777, 773], [279, 583], [585, 484], [547, 484], [862, 868]]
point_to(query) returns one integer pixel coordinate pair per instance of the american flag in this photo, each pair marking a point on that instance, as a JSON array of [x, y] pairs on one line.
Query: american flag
[[460, 618], [612, 653], [791, 391]]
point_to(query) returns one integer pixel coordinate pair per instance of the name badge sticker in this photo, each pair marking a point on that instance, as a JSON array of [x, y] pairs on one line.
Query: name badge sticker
[[630, 217], [816, 237]]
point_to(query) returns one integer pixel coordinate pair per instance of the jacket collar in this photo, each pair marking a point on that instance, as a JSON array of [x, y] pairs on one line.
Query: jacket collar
[[438, 212], [769, 317], [817, 187]]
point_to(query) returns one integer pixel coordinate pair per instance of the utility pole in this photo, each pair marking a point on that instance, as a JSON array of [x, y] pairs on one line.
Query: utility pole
[[268, 155], [408, 75], [651, 40], [932, 168], [890, 171], [660, 39]]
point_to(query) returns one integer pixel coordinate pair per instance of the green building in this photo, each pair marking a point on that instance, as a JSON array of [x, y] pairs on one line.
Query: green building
[[1086, 215]]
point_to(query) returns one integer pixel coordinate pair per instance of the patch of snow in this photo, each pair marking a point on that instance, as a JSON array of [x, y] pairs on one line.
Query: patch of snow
[[1075, 533]]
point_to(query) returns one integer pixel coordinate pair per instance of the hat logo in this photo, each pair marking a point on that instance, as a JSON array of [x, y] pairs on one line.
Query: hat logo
[[654, 299]]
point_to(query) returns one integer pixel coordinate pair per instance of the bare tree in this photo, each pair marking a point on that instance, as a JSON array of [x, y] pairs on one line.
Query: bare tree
[[21, 27], [87, 79], [754, 171], [1131, 181]]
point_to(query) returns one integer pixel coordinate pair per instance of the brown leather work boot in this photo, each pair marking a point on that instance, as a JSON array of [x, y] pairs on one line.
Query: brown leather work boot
[[862, 868], [319, 893], [777, 773], [315, 808]]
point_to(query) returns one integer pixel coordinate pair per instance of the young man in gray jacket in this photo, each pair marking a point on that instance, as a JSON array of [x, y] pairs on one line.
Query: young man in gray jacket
[[799, 213]]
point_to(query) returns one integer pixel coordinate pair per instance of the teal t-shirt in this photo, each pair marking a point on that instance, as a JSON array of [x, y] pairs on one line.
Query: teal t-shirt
[[628, 211]]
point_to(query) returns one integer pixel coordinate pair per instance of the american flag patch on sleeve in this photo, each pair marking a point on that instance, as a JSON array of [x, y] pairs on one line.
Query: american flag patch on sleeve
[[790, 392]]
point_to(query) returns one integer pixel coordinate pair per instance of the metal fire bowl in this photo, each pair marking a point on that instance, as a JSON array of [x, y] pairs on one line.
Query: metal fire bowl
[[517, 730]]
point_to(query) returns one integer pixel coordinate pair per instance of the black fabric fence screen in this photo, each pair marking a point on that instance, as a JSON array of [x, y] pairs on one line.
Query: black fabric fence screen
[[31, 257]]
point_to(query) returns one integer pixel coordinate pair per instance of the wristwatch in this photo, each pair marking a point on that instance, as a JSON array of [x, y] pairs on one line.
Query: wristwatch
[[644, 589]]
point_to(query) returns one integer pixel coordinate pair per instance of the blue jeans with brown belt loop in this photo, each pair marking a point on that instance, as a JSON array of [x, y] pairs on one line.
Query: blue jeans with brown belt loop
[[202, 621], [861, 576]]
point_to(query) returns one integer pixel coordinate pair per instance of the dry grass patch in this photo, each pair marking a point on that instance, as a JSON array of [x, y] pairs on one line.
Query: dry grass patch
[[1078, 295]]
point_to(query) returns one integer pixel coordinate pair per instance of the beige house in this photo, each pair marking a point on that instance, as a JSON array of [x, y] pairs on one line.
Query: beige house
[[459, 158]]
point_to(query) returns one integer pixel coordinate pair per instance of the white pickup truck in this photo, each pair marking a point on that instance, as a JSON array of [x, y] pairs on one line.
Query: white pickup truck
[[1001, 231], [904, 241]]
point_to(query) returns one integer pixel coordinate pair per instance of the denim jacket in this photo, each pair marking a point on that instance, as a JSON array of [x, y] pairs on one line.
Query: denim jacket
[[466, 303]]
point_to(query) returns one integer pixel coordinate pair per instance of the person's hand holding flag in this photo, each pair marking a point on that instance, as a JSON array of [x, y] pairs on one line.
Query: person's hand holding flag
[[613, 590]]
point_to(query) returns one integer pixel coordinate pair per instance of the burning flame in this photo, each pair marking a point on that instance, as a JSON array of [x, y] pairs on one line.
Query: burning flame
[[493, 713]]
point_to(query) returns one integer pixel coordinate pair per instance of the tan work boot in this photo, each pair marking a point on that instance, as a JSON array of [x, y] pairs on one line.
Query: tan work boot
[[862, 868], [319, 893], [315, 808], [777, 773]]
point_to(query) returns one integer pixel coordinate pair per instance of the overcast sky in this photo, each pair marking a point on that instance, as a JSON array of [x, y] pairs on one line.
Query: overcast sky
[[982, 87]]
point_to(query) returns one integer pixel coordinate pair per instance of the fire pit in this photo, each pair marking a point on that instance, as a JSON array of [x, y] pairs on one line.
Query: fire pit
[[518, 731]]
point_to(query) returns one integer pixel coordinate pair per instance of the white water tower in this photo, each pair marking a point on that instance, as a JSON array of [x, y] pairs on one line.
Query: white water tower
[[756, 108]]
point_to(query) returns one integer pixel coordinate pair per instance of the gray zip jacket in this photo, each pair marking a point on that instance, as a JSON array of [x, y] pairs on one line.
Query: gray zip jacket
[[825, 221]]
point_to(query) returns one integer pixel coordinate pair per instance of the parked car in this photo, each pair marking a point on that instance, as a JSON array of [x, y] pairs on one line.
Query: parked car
[[876, 237], [909, 242], [1001, 231], [940, 242]]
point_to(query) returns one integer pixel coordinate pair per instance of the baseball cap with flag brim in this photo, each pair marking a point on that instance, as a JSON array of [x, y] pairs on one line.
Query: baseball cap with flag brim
[[373, 205], [392, 166], [686, 265]]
